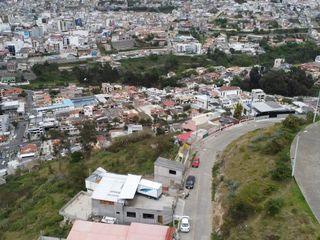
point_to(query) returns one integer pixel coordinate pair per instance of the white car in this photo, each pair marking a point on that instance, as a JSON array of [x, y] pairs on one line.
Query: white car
[[185, 224], [109, 220]]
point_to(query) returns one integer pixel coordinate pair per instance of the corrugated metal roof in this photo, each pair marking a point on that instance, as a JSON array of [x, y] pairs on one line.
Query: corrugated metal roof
[[113, 187], [130, 187]]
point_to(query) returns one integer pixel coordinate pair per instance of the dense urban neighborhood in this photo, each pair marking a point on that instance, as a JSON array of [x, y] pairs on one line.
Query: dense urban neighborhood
[[159, 120]]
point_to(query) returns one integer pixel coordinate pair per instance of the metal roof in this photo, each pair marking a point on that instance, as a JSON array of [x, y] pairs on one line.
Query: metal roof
[[114, 187], [267, 106], [130, 187]]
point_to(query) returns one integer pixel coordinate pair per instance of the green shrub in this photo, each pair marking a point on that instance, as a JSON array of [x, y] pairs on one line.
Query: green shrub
[[273, 206], [246, 201], [284, 155], [216, 236], [281, 173], [278, 141], [76, 157], [240, 210], [293, 123]]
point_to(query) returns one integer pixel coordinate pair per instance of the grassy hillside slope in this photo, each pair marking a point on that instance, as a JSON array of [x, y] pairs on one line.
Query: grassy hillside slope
[[29, 202]]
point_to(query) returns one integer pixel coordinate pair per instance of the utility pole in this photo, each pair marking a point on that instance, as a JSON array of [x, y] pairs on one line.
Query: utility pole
[[316, 109], [295, 156]]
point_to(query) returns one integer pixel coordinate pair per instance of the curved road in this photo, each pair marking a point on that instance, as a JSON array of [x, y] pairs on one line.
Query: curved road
[[198, 205], [307, 169]]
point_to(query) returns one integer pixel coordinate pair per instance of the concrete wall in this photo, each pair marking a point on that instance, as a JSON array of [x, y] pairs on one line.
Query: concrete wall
[[162, 175], [120, 212], [101, 209]]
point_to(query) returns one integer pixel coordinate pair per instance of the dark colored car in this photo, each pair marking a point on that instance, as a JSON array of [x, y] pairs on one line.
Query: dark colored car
[[195, 162], [190, 182]]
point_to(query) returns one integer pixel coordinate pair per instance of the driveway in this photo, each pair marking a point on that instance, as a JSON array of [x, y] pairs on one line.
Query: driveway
[[307, 170], [198, 206]]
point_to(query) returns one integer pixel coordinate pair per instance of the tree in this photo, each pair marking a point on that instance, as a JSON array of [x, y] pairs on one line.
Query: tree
[[238, 111], [255, 77], [76, 157], [171, 63], [23, 94], [236, 81], [88, 135]]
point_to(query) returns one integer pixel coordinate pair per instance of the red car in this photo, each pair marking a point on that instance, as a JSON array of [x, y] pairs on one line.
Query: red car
[[195, 162]]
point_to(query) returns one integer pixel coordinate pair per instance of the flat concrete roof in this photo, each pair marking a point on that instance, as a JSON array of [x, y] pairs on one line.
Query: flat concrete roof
[[174, 165], [79, 207], [144, 202]]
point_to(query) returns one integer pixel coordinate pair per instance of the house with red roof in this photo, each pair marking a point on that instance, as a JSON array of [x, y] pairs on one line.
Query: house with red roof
[[168, 103], [84, 230]]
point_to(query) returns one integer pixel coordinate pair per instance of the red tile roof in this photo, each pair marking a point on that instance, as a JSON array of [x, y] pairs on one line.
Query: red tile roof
[[84, 230], [228, 88], [29, 148]]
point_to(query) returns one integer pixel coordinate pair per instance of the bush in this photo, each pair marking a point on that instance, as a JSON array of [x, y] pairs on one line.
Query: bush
[[278, 141], [120, 142], [247, 201], [281, 173], [216, 236], [293, 123], [76, 157], [273, 206], [240, 210]]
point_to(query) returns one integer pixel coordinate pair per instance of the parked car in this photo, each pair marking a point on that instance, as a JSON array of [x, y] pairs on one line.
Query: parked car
[[185, 224], [109, 220], [190, 182], [195, 162]]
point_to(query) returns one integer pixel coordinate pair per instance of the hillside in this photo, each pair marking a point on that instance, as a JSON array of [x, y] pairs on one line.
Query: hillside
[[29, 202], [255, 193]]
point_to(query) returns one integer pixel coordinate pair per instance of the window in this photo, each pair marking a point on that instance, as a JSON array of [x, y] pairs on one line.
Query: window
[[106, 202], [117, 212], [172, 172], [148, 216], [131, 214]]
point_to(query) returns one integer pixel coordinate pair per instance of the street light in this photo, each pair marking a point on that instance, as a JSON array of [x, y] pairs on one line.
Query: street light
[[316, 109]]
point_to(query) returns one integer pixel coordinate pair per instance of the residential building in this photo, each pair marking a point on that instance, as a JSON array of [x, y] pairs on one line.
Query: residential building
[[116, 196], [168, 172], [4, 124], [258, 95], [84, 230], [226, 91]]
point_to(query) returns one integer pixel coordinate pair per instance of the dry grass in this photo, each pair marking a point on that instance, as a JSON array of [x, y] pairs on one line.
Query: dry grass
[[247, 179]]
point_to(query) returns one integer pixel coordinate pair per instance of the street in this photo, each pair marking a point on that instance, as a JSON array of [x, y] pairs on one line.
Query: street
[[198, 205], [307, 168], [8, 151]]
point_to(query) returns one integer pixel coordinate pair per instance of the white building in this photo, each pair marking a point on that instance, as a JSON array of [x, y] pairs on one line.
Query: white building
[[202, 101], [278, 62], [258, 95], [132, 128], [227, 91], [188, 48], [4, 123]]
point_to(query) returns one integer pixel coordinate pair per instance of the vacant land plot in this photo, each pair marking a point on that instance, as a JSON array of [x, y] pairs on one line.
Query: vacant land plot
[[253, 186]]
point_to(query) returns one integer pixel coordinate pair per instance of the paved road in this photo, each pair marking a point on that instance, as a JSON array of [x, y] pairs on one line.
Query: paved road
[[9, 150], [307, 170], [198, 205]]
